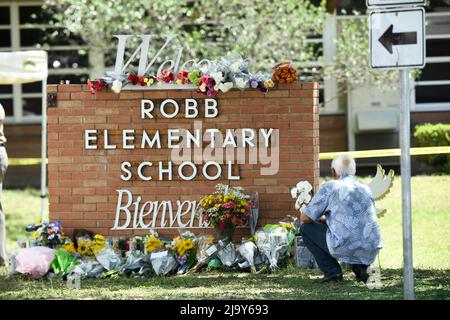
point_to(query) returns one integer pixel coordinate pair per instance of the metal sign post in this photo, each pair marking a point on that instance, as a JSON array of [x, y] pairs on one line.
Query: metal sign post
[[397, 41], [405, 163]]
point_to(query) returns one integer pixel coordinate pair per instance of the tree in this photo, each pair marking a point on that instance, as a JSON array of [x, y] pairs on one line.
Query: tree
[[265, 31], [351, 63]]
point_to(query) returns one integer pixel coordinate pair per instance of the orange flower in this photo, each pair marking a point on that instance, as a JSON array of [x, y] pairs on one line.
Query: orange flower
[[284, 73]]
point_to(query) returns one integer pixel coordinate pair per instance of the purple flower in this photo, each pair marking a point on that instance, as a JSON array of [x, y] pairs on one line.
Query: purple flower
[[182, 260], [262, 88], [211, 82], [211, 92], [253, 83]]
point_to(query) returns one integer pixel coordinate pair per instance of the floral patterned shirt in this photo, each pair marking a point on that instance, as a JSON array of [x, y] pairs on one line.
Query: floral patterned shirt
[[353, 234]]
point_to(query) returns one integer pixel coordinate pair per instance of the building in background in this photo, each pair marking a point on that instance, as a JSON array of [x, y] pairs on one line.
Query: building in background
[[344, 119]]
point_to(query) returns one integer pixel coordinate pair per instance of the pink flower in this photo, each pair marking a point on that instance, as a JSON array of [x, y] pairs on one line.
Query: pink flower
[[166, 76], [96, 85], [222, 225]]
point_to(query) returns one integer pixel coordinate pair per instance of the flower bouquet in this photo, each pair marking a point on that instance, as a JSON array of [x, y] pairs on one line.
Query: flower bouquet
[[227, 208], [153, 243], [184, 248], [46, 234], [284, 73], [302, 192], [88, 246], [273, 243]]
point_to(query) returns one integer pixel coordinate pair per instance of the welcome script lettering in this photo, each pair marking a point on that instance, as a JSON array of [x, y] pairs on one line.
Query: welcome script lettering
[[189, 158]]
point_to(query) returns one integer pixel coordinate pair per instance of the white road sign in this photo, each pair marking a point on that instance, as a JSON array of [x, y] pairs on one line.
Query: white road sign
[[388, 3], [397, 38]]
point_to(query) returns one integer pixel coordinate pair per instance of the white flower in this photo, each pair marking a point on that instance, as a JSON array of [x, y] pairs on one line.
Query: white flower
[[304, 186], [304, 197], [294, 192], [298, 204], [217, 76], [116, 86], [241, 83], [224, 87], [235, 67], [204, 69], [202, 87]]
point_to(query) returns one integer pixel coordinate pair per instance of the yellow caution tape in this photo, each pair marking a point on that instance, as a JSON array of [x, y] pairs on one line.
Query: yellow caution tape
[[323, 156], [386, 152], [24, 161]]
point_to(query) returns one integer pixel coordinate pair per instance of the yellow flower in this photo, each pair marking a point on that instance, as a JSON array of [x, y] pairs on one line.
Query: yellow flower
[[153, 243], [268, 83], [69, 247], [149, 81], [85, 247], [286, 225], [183, 245]]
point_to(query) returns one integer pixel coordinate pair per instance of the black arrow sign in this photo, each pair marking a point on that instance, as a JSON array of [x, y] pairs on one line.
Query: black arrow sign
[[389, 38]]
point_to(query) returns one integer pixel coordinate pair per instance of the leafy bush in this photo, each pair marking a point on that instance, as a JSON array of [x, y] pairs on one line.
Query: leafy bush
[[429, 135]]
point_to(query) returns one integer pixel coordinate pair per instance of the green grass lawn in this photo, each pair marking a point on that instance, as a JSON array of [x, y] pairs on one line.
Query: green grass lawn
[[431, 253]]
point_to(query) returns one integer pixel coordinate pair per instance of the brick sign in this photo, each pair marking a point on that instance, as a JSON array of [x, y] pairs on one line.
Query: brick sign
[[121, 164]]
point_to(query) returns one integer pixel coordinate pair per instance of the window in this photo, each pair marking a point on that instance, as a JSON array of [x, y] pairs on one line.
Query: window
[[432, 89], [25, 26]]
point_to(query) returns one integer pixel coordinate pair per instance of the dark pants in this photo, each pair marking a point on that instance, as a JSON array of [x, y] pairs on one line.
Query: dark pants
[[314, 237]]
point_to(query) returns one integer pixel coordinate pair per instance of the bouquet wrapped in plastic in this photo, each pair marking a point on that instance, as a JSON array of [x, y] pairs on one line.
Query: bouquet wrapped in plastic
[[274, 244], [64, 262], [248, 251], [228, 255], [206, 250], [163, 262], [184, 248], [135, 262], [35, 261], [109, 259], [88, 268]]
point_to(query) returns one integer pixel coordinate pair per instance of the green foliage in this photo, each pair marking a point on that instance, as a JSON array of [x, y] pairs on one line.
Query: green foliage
[[430, 135], [351, 63], [266, 31]]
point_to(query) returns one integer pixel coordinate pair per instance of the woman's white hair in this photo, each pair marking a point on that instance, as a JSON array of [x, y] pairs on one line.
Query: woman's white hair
[[344, 165]]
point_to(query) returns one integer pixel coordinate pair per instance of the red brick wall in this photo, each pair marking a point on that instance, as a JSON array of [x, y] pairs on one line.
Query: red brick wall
[[83, 183]]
